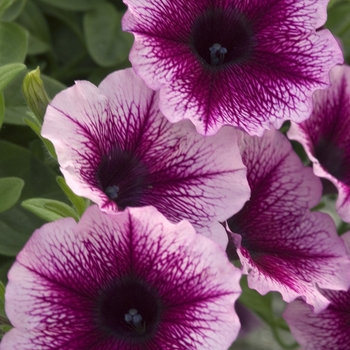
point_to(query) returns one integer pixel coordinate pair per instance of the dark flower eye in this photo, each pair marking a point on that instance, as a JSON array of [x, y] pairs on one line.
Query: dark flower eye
[[249, 64], [130, 280], [116, 148]]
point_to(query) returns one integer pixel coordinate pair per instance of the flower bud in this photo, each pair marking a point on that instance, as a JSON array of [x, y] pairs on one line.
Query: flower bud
[[35, 94]]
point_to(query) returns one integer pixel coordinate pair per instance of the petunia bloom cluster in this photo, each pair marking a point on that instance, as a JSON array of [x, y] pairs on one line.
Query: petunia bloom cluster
[[187, 182]]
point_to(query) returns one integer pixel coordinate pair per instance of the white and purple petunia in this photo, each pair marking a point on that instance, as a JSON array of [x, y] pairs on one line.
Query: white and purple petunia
[[283, 246], [329, 329], [250, 64], [130, 281], [116, 148], [326, 136]]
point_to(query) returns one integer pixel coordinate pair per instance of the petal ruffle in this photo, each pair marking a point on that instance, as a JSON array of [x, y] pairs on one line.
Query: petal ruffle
[[275, 233], [326, 136], [55, 286], [184, 175], [285, 61]]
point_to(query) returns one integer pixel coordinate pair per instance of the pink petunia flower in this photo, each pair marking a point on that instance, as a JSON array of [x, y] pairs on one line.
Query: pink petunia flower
[[116, 148], [326, 136], [283, 246], [330, 329], [130, 281], [250, 64]]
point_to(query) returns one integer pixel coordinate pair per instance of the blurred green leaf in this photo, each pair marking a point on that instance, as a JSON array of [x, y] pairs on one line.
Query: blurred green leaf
[[39, 178], [5, 264], [260, 304], [2, 300], [108, 45], [9, 73], [4, 4], [17, 224], [10, 191], [74, 5], [16, 106], [13, 43], [339, 24], [2, 108], [12, 12], [33, 124], [49, 209], [79, 203], [34, 21]]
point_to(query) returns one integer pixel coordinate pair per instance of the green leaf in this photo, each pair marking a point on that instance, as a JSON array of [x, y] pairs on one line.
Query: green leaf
[[10, 191], [49, 209], [2, 108], [2, 300], [339, 23], [5, 264], [260, 304], [13, 43], [73, 5], [9, 73], [33, 124], [34, 21], [4, 4], [16, 106], [108, 45], [17, 224], [80, 203], [14, 10]]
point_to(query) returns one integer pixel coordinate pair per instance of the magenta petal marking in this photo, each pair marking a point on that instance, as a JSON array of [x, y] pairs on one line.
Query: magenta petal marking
[[326, 136], [250, 64], [129, 281], [116, 148], [275, 233]]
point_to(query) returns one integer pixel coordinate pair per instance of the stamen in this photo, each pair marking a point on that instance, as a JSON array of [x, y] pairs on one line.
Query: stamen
[[112, 191], [217, 54], [133, 317]]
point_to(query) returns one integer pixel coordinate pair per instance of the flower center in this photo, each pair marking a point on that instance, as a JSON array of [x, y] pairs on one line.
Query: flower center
[[122, 178], [129, 309], [333, 159], [222, 36]]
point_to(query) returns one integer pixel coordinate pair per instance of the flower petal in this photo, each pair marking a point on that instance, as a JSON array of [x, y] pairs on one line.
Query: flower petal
[[326, 136], [284, 60], [275, 233], [55, 286], [183, 174], [327, 330]]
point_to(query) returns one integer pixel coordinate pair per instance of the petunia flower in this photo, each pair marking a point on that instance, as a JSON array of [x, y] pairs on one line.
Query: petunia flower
[[116, 148], [250, 64], [326, 136], [329, 329], [283, 246], [130, 281]]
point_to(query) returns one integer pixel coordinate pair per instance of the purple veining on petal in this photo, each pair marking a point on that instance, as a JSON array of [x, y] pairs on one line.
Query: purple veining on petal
[[116, 148], [326, 136], [127, 281], [327, 330], [275, 234], [247, 64]]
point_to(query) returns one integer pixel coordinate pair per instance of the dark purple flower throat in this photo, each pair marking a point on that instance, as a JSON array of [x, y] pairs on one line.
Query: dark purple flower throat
[[222, 36], [129, 309], [122, 177]]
